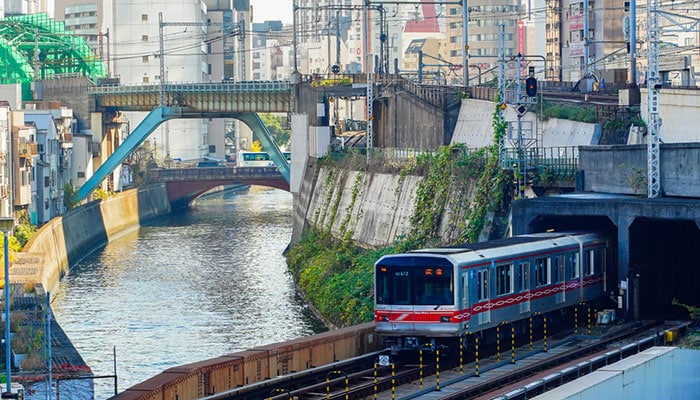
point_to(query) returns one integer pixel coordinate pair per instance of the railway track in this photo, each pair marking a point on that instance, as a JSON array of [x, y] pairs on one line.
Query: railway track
[[569, 359], [363, 378]]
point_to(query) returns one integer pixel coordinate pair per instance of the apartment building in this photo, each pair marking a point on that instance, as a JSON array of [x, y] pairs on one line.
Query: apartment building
[[490, 22]]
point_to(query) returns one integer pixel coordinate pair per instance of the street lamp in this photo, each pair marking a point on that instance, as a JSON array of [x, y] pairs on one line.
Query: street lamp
[[6, 224]]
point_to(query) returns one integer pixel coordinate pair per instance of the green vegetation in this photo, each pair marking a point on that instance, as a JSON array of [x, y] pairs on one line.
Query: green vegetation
[[343, 80], [273, 123], [580, 113], [459, 186], [100, 194], [70, 196], [24, 230]]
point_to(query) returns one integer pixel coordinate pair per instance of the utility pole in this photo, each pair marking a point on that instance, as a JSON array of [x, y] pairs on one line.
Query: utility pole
[[653, 85], [502, 89], [369, 135], [586, 42], [465, 35]]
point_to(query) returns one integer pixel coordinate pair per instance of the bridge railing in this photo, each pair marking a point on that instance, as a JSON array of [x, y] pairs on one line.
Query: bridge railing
[[211, 173], [195, 87], [547, 165]]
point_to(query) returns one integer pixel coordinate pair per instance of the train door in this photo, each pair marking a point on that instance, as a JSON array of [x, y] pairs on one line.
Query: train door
[[524, 281], [483, 311], [464, 302], [560, 276]]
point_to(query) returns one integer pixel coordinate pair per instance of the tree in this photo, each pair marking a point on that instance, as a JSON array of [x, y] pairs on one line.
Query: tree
[[274, 125]]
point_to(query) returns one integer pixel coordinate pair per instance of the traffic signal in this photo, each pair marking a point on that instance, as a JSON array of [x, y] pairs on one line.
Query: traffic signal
[[531, 86]]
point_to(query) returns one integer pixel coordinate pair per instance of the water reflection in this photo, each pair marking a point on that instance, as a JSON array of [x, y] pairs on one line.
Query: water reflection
[[187, 288]]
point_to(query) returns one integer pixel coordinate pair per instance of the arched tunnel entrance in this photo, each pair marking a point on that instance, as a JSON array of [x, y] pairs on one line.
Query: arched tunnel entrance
[[665, 266]]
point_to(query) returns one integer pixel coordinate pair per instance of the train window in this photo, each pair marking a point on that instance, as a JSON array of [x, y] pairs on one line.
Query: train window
[[393, 285], [590, 264], [575, 266], [524, 276], [542, 271], [504, 279], [482, 284], [434, 286]]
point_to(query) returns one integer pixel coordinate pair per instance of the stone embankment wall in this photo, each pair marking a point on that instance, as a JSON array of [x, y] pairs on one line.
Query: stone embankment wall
[[66, 239], [375, 208]]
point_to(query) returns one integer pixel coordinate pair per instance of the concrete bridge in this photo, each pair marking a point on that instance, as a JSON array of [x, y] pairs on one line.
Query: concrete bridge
[[186, 184]]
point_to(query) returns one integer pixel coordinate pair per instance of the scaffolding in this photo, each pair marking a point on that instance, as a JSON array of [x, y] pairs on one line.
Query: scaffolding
[[35, 47]]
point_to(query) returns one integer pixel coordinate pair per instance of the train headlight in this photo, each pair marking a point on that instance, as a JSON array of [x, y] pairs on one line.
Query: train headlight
[[445, 318]]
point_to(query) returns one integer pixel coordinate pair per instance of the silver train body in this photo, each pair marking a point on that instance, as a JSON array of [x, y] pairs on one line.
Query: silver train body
[[429, 296]]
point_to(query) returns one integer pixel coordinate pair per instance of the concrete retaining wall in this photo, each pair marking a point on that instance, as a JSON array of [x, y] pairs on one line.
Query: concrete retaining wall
[[623, 169], [380, 211], [375, 208], [474, 127], [678, 109], [68, 238]]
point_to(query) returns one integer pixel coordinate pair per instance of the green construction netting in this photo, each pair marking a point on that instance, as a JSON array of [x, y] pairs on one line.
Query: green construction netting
[[35, 47]]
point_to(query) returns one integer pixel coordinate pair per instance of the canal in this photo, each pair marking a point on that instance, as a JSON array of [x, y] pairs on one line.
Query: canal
[[185, 288]]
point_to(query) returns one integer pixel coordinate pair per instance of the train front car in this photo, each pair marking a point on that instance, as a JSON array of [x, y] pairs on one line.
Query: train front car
[[416, 300], [430, 298]]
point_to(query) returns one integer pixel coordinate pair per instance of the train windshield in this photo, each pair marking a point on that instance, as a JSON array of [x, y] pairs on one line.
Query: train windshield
[[414, 281]]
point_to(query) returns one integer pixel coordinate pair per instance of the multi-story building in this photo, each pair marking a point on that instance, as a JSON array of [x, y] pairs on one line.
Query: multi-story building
[[185, 55], [91, 19], [426, 45], [52, 167], [490, 22], [5, 165], [22, 150], [678, 39], [20, 7]]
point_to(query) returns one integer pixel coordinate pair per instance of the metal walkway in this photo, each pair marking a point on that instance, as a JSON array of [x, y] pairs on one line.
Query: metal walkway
[[240, 100]]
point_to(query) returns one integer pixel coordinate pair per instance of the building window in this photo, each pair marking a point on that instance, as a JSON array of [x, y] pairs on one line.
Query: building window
[[145, 79], [144, 38], [144, 17], [144, 59], [504, 279], [81, 175], [212, 148], [46, 181]]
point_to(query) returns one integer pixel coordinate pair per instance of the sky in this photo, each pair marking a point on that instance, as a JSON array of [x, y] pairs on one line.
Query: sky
[[270, 10]]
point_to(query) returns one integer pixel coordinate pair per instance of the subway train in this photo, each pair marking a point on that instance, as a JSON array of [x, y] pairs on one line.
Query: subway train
[[430, 298]]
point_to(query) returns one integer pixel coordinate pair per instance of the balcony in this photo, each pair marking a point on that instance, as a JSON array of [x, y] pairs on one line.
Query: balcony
[[27, 150]]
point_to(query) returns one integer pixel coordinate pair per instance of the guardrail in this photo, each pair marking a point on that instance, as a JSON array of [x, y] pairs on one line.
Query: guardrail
[[549, 164], [212, 174], [195, 87]]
